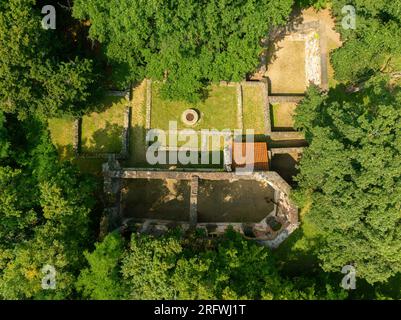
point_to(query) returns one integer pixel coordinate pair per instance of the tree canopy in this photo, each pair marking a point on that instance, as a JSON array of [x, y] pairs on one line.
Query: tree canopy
[[374, 45], [175, 266], [350, 171], [36, 78], [45, 215]]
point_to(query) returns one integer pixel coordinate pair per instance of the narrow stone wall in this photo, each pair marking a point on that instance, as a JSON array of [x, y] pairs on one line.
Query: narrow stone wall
[[240, 122], [228, 84], [193, 211], [124, 93], [286, 150], [148, 103], [126, 133], [287, 135], [266, 109], [285, 99], [76, 144]]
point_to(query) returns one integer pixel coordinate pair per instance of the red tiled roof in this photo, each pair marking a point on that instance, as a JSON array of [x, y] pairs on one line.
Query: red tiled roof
[[251, 153]]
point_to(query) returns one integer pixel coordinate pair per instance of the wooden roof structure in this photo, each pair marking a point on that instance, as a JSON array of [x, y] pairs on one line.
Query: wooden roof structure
[[250, 153]]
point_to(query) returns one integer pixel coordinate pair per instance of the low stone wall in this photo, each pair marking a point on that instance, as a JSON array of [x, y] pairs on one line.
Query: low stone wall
[[124, 93], [240, 122], [266, 109], [286, 150], [148, 103], [287, 135], [193, 211], [76, 145], [270, 177], [285, 99], [228, 84]]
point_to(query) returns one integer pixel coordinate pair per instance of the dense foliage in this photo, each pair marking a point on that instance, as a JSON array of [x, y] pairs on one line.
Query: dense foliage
[[351, 171], [374, 45], [194, 267], [188, 43], [44, 214], [37, 77]]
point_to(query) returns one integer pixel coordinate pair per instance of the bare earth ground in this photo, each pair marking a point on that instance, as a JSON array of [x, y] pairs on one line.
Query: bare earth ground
[[238, 201], [283, 115], [156, 199], [286, 70]]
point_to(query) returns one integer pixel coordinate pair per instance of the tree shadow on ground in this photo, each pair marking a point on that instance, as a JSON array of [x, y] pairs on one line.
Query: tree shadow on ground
[[104, 140]]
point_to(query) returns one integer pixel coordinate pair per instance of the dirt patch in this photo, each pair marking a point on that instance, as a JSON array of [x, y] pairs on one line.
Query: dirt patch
[[286, 69], [238, 201], [285, 165], [156, 199]]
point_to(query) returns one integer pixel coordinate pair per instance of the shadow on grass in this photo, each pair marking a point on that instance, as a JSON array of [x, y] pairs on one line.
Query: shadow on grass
[[104, 140], [297, 256]]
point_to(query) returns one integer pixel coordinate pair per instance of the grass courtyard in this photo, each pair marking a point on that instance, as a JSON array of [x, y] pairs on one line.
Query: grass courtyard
[[282, 115], [101, 132], [253, 104], [217, 111]]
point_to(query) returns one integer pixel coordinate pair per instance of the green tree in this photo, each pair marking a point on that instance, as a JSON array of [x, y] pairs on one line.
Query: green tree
[[34, 78], [45, 216], [187, 43], [102, 279], [374, 46], [175, 266]]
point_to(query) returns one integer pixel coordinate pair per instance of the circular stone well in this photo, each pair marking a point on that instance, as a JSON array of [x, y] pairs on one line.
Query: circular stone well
[[190, 117]]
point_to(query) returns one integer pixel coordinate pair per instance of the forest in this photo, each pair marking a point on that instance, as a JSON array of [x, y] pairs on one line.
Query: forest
[[349, 182]]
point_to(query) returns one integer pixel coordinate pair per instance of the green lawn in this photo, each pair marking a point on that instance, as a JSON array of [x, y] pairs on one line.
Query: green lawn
[[194, 141], [101, 132], [62, 135], [252, 97], [218, 111], [283, 115], [297, 255]]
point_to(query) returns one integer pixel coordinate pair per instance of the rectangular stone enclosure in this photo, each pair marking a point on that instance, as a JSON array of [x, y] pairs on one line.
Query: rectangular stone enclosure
[[237, 201], [155, 199]]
